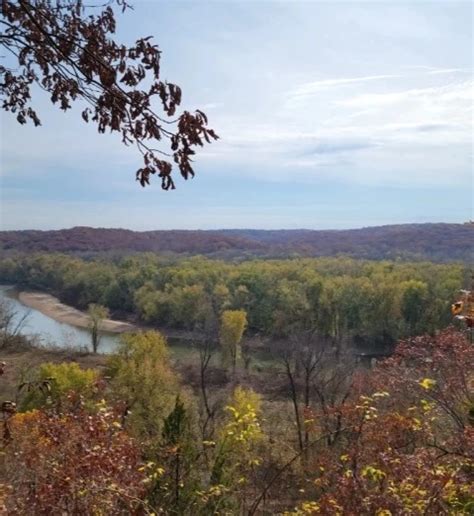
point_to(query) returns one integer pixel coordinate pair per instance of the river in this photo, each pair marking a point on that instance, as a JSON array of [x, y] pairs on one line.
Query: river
[[48, 332]]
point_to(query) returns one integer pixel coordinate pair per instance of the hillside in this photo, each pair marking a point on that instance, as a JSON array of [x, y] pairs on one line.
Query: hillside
[[437, 242]]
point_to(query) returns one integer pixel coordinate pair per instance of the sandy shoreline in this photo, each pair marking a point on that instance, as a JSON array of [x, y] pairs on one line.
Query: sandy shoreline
[[52, 307]]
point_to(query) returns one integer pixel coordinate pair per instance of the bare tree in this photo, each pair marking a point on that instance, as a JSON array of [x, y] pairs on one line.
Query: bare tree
[[300, 358], [206, 345], [97, 314], [205, 355], [318, 378], [11, 322], [332, 385]]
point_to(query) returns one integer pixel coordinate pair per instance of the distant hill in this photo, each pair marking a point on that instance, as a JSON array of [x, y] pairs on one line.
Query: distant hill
[[436, 242]]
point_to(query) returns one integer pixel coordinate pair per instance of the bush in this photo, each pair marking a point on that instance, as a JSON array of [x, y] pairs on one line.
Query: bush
[[54, 382]]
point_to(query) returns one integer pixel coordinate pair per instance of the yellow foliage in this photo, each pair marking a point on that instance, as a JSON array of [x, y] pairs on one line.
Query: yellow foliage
[[143, 378], [243, 422], [427, 383], [305, 508], [373, 473], [233, 324], [61, 380]]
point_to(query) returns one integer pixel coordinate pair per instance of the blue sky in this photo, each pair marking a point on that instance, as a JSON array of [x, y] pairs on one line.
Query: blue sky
[[331, 115]]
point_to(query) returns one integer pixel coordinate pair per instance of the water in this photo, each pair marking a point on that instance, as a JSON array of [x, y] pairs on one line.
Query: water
[[48, 332]]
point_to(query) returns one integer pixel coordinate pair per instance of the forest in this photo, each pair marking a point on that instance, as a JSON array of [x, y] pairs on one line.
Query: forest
[[340, 298], [433, 242]]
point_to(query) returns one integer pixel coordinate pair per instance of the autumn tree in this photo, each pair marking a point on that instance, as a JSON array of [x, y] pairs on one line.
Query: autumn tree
[[440, 370], [72, 54], [236, 453], [142, 379], [206, 346], [342, 299], [97, 314], [300, 360], [319, 380], [407, 436], [177, 459], [233, 324]]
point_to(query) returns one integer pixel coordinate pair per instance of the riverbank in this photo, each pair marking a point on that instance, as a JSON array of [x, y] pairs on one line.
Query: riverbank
[[53, 308]]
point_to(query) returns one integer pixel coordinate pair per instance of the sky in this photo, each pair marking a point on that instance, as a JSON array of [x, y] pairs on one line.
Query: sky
[[330, 114]]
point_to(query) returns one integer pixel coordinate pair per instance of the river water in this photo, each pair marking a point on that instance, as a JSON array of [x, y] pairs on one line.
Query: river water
[[48, 332]]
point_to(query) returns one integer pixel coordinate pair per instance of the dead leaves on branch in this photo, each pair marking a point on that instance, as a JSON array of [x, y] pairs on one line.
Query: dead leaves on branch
[[73, 56]]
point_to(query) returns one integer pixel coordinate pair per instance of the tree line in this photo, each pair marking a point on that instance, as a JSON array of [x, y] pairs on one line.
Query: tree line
[[337, 297]]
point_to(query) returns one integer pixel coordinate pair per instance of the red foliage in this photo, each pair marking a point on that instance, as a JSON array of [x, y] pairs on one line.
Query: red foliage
[[76, 463], [407, 444]]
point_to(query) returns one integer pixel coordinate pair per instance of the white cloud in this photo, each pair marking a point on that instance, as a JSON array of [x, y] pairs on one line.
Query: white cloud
[[382, 133], [436, 95], [449, 70], [314, 87]]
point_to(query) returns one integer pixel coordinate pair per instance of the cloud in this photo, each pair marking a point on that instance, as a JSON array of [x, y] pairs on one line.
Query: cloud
[[432, 70], [461, 91], [210, 106], [428, 128], [307, 93], [314, 87], [338, 147], [384, 133], [449, 70]]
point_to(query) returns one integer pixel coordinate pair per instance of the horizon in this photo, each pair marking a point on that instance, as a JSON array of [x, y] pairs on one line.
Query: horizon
[[217, 229], [317, 130]]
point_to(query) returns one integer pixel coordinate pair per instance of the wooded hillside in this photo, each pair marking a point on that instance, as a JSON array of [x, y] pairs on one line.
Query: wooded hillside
[[436, 242]]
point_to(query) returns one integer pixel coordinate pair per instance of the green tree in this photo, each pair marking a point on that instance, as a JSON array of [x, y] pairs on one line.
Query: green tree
[[175, 487], [188, 305], [220, 298], [292, 307], [414, 304], [143, 380], [153, 305], [237, 449]]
